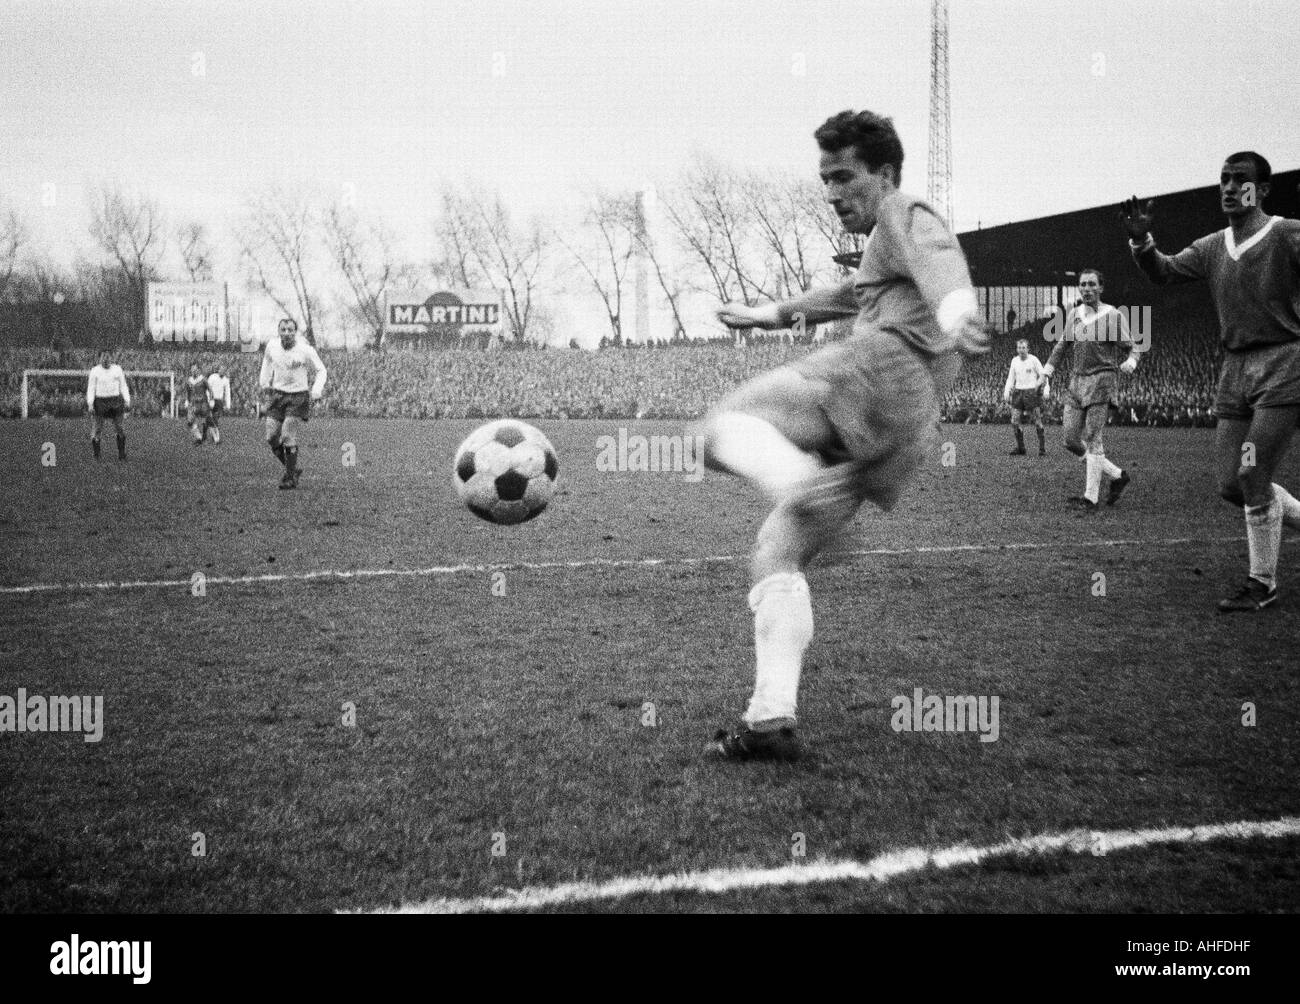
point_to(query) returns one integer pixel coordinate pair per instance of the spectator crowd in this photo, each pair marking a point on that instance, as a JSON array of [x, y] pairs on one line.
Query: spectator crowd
[[1173, 386]]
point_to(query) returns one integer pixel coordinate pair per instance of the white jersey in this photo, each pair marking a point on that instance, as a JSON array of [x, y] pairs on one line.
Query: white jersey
[[107, 381], [288, 369], [219, 389], [1025, 374]]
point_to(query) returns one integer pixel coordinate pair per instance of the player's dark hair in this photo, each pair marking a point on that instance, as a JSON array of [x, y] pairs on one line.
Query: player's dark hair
[[1101, 279], [1263, 171], [289, 320], [872, 137]]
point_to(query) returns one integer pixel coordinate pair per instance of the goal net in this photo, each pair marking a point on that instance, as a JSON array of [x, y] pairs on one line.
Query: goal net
[[61, 393]]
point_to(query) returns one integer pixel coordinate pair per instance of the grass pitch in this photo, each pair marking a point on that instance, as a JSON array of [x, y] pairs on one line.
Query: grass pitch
[[501, 741]]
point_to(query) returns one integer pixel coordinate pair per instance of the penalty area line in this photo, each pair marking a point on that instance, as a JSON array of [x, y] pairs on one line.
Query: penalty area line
[[880, 869], [335, 575]]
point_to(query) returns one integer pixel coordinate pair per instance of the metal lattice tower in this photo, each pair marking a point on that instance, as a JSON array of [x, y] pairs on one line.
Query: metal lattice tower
[[939, 185]]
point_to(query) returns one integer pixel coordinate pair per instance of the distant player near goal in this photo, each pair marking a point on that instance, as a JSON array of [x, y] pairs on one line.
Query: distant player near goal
[[219, 394], [293, 376], [198, 404], [1099, 333], [1026, 390], [107, 396], [1253, 269]]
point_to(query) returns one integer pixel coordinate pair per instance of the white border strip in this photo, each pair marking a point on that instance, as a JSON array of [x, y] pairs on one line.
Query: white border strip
[[879, 869], [380, 573]]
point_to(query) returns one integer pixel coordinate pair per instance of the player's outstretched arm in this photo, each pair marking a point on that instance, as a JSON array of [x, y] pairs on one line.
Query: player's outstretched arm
[[1160, 268], [817, 306], [318, 381]]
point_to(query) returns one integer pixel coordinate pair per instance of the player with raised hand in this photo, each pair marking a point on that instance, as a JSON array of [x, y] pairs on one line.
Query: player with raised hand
[[1253, 268], [1026, 390], [292, 377], [849, 423], [107, 397], [1099, 334]]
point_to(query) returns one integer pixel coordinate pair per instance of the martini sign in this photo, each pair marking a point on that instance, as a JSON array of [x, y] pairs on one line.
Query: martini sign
[[446, 313]]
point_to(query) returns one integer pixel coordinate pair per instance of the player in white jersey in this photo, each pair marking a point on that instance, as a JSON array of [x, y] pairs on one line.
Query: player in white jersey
[[1253, 270], [292, 377], [849, 423], [107, 396], [219, 391], [1025, 391]]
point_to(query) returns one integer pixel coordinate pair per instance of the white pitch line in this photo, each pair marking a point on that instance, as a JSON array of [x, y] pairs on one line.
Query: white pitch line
[[380, 573], [881, 868]]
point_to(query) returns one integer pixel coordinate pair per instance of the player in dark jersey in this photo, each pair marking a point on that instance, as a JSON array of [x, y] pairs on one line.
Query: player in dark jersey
[[849, 423], [1096, 335], [198, 404], [1253, 268]]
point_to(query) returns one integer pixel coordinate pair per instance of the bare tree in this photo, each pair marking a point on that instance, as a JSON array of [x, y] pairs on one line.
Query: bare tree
[[196, 251], [129, 228], [14, 237], [366, 257], [605, 249], [481, 244], [276, 242]]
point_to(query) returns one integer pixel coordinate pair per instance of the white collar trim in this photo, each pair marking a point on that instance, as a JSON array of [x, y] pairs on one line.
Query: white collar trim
[[1235, 250]]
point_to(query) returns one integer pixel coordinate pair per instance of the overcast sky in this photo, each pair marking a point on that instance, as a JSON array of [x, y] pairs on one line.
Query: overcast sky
[[1056, 105]]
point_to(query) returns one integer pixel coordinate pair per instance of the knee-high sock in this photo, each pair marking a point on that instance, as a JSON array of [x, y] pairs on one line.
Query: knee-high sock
[[94, 445], [291, 458], [278, 449], [1289, 505], [121, 444], [1093, 489], [1264, 537], [1020, 437], [783, 627], [756, 450], [1109, 469]]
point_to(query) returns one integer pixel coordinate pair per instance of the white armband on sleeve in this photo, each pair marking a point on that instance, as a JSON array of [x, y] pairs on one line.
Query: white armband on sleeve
[[955, 308]]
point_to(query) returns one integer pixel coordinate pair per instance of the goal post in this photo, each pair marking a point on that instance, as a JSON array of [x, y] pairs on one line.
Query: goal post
[[84, 376]]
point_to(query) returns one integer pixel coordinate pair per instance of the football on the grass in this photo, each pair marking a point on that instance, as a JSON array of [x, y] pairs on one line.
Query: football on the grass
[[505, 471]]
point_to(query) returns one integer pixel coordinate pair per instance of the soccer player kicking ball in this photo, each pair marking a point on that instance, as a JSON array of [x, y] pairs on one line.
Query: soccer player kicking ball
[[1098, 333], [219, 393], [1253, 268], [292, 377], [849, 423], [1025, 392], [107, 396]]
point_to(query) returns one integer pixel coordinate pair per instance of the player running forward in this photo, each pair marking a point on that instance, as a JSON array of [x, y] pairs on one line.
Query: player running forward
[[107, 396], [292, 377], [1025, 391], [198, 404], [219, 393], [1099, 334], [1253, 268], [849, 423]]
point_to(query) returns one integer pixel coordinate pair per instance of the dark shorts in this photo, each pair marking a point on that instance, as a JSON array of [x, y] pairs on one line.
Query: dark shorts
[[1095, 388], [1264, 377], [197, 409], [216, 412], [1026, 400], [881, 396], [297, 404], [110, 407]]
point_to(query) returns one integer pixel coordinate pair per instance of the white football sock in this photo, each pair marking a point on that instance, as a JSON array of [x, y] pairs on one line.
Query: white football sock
[[783, 627], [757, 450], [1289, 505], [1264, 537], [1109, 469], [1094, 477]]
